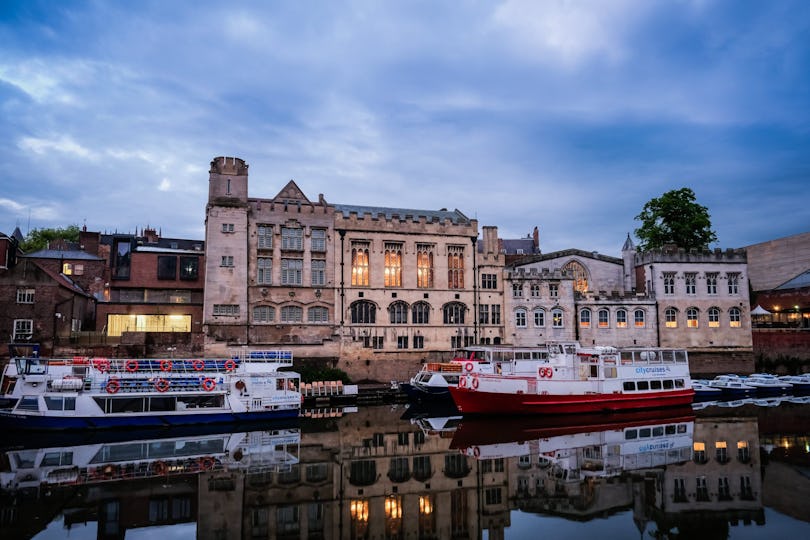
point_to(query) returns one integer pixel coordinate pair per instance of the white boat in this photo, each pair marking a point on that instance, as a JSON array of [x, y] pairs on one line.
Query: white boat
[[765, 383], [703, 390], [98, 393], [582, 380], [798, 383], [732, 385]]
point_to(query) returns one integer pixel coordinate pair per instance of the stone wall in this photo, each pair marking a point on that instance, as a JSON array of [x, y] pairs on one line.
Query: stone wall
[[773, 343]]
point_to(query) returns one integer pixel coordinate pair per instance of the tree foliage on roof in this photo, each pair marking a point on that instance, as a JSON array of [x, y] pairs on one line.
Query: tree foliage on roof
[[38, 239], [674, 218]]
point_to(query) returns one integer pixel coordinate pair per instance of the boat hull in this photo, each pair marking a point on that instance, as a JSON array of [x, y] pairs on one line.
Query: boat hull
[[478, 402], [425, 393]]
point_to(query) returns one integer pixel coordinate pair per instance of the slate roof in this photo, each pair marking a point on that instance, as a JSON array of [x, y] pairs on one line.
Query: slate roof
[[802, 280], [454, 216], [74, 255]]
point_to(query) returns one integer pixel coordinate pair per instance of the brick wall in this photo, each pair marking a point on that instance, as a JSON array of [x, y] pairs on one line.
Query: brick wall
[[782, 342]]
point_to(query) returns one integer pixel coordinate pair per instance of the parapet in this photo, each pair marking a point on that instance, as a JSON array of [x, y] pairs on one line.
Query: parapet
[[694, 255], [229, 165]]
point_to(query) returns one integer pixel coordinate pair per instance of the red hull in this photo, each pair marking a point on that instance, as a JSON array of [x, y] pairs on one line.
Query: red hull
[[476, 402]]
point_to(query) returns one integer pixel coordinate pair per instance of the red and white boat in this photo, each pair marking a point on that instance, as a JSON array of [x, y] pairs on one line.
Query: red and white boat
[[582, 380]]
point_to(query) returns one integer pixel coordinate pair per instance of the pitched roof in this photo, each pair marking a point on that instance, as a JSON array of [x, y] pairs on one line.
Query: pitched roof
[[455, 216], [802, 280], [61, 254], [63, 280]]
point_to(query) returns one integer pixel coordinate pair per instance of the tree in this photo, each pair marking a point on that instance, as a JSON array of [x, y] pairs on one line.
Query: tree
[[674, 218], [39, 238]]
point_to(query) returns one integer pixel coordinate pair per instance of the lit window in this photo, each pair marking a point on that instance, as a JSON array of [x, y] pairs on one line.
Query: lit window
[[360, 263], [580, 275], [734, 317], [393, 265], [585, 318], [604, 317], [714, 317], [557, 318], [692, 317], [621, 318], [671, 318], [638, 318], [455, 267], [424, 266]]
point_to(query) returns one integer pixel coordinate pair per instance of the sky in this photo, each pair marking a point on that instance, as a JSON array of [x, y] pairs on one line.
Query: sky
[[567, 115]]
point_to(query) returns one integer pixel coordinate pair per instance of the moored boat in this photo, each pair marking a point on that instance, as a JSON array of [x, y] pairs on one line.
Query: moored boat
[[99, 393], [704, 391], [767, 384], [583, 380], [799, 383], [732, 386]]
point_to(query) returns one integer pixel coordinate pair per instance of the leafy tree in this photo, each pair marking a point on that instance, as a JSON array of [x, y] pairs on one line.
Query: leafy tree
[[39, 238], [674, 218]]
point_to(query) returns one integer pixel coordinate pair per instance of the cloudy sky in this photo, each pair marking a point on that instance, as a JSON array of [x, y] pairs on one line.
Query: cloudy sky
[[568, 115]]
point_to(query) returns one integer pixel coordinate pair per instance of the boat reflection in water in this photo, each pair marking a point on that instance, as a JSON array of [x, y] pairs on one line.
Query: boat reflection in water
[[379, 473]]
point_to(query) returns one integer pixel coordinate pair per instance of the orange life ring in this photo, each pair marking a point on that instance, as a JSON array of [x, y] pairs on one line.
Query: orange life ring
[[198, 365], [468, 366], [102, 364], [206, 463], [462, 382], [113, 386], [230, 365], [160, 468], [165, 365], [208, 384], [475, 383], [131, 365], [161, 385]]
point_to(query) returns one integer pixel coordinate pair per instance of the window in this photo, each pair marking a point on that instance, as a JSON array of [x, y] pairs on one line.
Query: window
[[721, 452], [714, 317], [23, 329], [264, 271], [734, 317], [454, 313], [539, 317], [733, 283], [402, 342], [424, 266], [692, 317], [226, 309], [669, 282], [711, 283], [226, 261], [377, 342], [489, 281], [690, 280], [743, 452], [360, 263], [398, 313], [264, 314], [392, 276], [25, 296], [604, 318], [520, 318], [189, 268], [419, 343], [483, 314], [363, 312], [292, 271], [496, 314], [318, 240], [121, 258], [70, 269], [534, 290], [420, 313], [638, 318], [585, 318], [556, 318], [264, 235], [292, 239], [318, 314], [671, 318], [679, 492], [580, 275], [492, 496], [455, 267], [318, 272], [227, 227], [291, 314], [621, 318], [553, 290], [699, 452]]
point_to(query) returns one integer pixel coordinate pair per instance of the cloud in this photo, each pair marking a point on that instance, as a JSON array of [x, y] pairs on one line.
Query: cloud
[[63, 145]]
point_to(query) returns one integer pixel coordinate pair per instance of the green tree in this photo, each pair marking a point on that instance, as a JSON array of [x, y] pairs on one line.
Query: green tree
[[39, 238], [674, 218]]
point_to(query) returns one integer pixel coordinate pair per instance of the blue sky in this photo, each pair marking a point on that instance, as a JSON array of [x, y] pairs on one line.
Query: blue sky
[[566, 115]]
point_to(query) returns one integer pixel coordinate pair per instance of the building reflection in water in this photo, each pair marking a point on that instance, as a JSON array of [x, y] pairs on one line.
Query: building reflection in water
[[371, 474]]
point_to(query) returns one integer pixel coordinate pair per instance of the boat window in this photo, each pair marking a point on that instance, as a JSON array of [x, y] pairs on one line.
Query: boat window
[[643, 385], [658, 431], [60, 403], [681, 428], [594, 371], [655, 385], [670, 429], [451, 379], [32, 366], [679, 383], [610, 372], [629, 386], [126, 404], [57, 459], [197, 402], [162, 404], [667, 384], [630, 434], [644, 433], [28, 403]]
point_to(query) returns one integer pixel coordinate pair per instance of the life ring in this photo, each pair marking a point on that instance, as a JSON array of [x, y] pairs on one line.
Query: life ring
[[230, 365], [475, 383], [112, 386], [165, 365], [462, 382], [206, 463], [541, 372], [198, 365], [476, 451], [550, 372], [240, 385], [161, 385], [208, 384], [160, 468], [237, 455], [131, 365], [102, 364], [468, 367]]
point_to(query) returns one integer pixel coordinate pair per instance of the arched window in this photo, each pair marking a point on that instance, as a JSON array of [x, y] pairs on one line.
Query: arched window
[[360, 263], [692, 317], [585, 318], [363, 312], [714, 317], [621, 318], [579, 274], [734, 317], [318, 314], [604, 318], [520, 318], [539, 317], [557, 318], [264, 314], [398, 313], [454, 313], [292, 314], [671, 317], [420, 313], [639, 318]]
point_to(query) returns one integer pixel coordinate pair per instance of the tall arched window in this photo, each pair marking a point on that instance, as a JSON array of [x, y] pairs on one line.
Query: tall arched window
[[557, 320], [455, 267], [579, 274], [671, 317], [520, 318], [714, 317], [585, 318], [454, 313], [363, 312], [360, 263], [398, 313], [621, 318], [604, 318], [734, 317], [692, 317], [638, 318], [420, 313], [539, 317]]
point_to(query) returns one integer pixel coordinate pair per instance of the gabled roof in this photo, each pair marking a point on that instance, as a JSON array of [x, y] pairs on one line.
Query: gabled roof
[[566, 253], [63, 281], [802, 280], [454, 216], [292, 193]]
